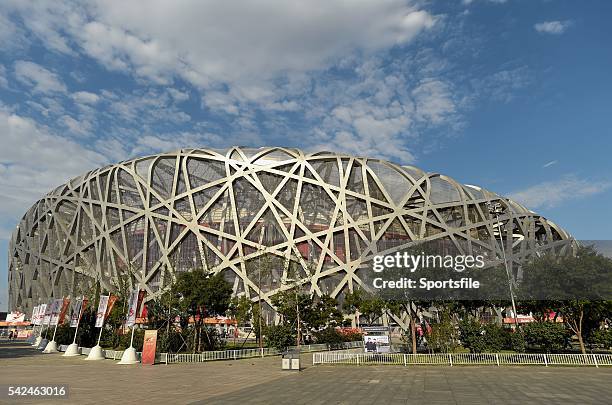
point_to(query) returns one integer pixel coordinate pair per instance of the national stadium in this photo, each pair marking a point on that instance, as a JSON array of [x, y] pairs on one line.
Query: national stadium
[[314, 219]]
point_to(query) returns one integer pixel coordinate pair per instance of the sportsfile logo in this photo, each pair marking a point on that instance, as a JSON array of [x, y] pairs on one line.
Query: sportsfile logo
[[435, 274], [412, 263]]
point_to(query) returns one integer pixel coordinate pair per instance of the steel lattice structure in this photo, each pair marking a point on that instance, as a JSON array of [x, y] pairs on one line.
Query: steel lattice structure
[[318, 216]]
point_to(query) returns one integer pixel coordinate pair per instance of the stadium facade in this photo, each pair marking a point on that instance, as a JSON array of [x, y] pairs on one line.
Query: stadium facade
[[311, 219]]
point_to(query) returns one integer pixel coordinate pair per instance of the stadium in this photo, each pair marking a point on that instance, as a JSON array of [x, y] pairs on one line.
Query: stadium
[[307, 219]]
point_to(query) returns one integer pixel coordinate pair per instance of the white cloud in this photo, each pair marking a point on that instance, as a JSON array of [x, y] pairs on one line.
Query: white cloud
[[433, 100], [85, 97], [37, 77], [552, 27], [33, 161], [177, 95], [503, 85], [468, 2], [155, 143], [78, 127], [554, 193], [223, 42], [548, 164]]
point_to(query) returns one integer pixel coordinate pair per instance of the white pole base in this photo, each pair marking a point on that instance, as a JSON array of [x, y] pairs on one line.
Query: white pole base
[[43, 344], [95, 353], [72, 350], [129, 356], [37, 341], [51, 347]]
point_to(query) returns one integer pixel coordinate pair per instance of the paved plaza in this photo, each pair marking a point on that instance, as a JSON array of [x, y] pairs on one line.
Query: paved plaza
[[261, 381]]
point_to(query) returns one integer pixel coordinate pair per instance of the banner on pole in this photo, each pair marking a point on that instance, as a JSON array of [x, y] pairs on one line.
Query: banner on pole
[[149, 347], [62, 314], [77, 307], [130, 319], [111, 304], [34, 313], [139, 309], [100, 315], [41, 313], [55, 311], [47, 313]]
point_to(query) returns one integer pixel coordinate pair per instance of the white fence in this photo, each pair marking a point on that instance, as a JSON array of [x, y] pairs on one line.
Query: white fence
[[218, 355], [171, 358], [451, 359]]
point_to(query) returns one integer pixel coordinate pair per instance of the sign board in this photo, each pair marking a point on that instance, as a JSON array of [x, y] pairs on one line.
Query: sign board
[[15, 316], [149, 346], [375, 330], [376, 344]]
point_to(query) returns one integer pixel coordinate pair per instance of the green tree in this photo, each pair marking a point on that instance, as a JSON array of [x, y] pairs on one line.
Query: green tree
[[201, 295], [549, 336], [280, 336], [331, 336], [240, 309], [481, 338], [443, 336], [575, 286]]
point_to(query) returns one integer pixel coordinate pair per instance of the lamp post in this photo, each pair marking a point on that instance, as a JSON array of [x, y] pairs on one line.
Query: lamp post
[[495, 209]]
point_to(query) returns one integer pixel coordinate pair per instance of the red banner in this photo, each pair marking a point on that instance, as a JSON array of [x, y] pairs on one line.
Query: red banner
[[149, 347], [111, 302], [62, 313], [141, 295]]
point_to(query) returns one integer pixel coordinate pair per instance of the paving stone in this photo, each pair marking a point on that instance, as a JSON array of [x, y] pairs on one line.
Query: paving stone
[[260, 381]]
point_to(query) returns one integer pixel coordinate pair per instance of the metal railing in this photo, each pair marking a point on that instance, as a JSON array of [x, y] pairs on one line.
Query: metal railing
[[171, 358], [451, 359]]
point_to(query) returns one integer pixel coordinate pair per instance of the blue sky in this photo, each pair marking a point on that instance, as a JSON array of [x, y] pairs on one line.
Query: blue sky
[[514, 96]]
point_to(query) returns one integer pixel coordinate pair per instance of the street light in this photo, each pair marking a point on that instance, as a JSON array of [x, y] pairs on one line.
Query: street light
[[496, 209]]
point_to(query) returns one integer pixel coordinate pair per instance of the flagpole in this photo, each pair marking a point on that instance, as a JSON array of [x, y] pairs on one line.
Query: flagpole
[[76, 331], [100, 335], [96, 353], [73, 349], [129, 355], [52, 345]]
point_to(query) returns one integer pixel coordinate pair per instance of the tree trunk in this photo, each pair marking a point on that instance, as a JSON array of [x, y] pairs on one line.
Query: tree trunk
[[195, 337], [581, 342], [199, 338], [413, 333]]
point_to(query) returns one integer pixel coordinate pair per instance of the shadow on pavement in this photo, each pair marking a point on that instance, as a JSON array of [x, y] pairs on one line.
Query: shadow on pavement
[[15, 350]]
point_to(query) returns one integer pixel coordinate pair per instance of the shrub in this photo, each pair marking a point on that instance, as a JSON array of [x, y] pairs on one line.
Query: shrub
[[603, 338], [480, 338], [548, 336], [515, 341], [352, 336], [332, 336], [279, 336], [442, 337]]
